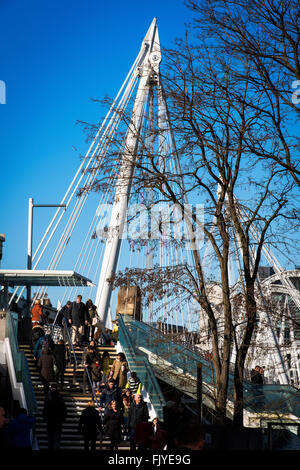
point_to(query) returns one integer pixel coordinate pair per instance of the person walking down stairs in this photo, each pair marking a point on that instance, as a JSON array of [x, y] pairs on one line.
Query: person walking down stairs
[[90, 426], [119, 370], [113, 422], [54, 414]]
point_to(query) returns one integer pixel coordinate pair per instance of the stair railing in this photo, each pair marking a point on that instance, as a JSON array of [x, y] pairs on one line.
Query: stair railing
[[21, 369], [141, 365], [70, 343]]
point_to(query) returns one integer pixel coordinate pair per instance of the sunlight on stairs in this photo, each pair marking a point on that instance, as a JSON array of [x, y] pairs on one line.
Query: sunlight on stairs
[[75, 401]]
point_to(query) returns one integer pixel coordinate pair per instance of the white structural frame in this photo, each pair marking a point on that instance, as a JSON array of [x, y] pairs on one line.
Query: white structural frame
[[147, 69]]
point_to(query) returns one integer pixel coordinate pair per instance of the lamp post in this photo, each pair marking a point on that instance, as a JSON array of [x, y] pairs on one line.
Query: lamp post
[[29, 240]]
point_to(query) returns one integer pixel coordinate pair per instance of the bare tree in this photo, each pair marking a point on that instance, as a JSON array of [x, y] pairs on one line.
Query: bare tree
[[267, 35], [227, 143]]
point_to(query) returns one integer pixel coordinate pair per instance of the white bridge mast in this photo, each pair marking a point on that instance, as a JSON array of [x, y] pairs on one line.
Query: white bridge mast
[[146, 69]]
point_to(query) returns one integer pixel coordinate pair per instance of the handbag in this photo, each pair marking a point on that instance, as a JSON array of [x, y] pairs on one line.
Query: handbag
[[95, 320]]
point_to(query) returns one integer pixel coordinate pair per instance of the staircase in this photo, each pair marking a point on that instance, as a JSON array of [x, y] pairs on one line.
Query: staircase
[[75, 401]]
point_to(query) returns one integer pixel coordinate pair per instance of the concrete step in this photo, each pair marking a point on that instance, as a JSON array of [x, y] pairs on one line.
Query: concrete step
[[75, 401]]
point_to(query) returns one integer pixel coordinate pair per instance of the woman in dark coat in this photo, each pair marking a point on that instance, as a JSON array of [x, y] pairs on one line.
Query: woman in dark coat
[[45, 364], [113, 421]]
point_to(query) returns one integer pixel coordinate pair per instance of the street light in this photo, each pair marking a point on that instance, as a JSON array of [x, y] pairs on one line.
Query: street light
[[29, 242]]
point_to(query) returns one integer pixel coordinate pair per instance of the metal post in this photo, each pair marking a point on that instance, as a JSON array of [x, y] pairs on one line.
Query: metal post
[[29, 247], [199, 391], [30, 236]]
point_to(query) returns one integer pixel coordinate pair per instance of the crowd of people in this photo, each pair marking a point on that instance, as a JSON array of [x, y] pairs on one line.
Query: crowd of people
[[116, 410]]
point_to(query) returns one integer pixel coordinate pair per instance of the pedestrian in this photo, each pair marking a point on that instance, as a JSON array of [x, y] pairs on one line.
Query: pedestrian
[[19, 431], [91, 320], [60, 357], [78, 321], [257, 380], [66, 320], [109, 393], [46, 366], [36, 333], [55, 414], [45, 342], [115, 332], [90, 426], [96, 376], [158, 437], [105, 337], [105, 367], [96, 354], [89, 356], [134, 383], [256, 375], [142, 434], [113, 422], [126, 407], [119, 370], [37, 313], [138, 413]]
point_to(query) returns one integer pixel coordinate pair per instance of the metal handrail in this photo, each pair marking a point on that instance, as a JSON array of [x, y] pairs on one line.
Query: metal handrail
[[20, 364], [274, 397], [22, 371], [70, 342], [136, 360]]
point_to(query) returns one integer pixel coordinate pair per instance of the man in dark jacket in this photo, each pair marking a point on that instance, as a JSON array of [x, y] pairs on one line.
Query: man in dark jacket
[[55, 414], [79, 318], [90, 426], [138, 413], [109, 393], [66, 321]]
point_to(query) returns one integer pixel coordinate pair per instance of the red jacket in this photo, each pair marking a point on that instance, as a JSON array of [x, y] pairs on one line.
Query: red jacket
[[37, 313]]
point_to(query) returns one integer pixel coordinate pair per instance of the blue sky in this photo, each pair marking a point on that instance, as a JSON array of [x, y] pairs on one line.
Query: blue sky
[[54, 57]]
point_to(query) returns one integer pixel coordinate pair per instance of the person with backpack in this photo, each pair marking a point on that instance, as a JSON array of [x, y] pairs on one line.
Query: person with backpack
[[36, 333], [44, 342]]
